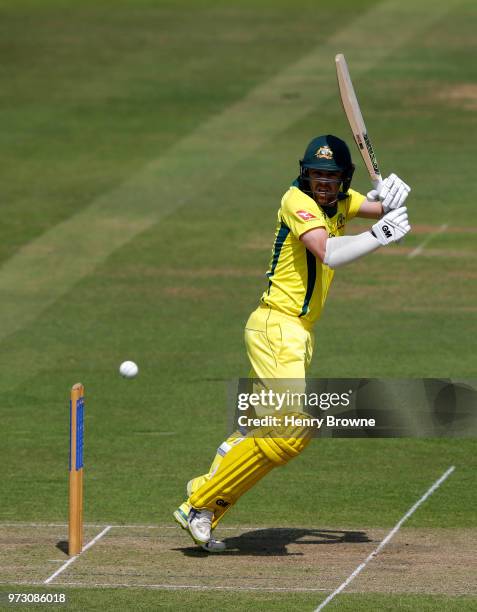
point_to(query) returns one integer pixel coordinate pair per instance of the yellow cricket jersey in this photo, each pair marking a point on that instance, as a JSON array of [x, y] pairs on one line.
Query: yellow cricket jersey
[[298, 281]]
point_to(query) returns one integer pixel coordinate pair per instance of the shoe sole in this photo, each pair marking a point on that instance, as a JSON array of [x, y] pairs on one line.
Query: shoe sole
[[181, 518], [209, 547]]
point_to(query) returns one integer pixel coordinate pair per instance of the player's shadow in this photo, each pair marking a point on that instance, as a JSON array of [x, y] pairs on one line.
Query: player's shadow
[[274, 542]]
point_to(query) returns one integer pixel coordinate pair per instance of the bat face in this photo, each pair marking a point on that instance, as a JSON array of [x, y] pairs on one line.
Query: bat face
[[355, 119]]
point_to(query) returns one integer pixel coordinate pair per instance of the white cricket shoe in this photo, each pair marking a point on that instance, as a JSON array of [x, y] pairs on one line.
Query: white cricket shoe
[[181, 516], [200, 525], [213, 546]]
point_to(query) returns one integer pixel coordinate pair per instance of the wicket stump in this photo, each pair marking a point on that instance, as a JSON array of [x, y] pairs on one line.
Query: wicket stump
[[75, 522]]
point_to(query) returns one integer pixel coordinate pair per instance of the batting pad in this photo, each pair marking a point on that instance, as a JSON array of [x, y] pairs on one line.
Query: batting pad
[[245, 464]]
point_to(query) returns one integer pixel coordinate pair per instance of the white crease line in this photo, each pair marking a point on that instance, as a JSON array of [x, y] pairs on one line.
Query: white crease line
[[73, 559], [27, 524], [198, 587], [158, 526], [171, 587], [393, 531], [418, 250]]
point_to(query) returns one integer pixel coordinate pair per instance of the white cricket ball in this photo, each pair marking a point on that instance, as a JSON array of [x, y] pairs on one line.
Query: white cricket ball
[[128, 369]]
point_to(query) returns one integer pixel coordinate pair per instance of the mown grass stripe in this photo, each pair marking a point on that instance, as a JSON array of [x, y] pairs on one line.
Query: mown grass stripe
[[48, 267]]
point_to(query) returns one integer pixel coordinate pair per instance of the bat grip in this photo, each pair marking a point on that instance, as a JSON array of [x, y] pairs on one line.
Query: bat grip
[[377, 182]]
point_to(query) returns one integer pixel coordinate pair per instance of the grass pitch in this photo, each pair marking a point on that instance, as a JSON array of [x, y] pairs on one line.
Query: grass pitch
[[144, 150]]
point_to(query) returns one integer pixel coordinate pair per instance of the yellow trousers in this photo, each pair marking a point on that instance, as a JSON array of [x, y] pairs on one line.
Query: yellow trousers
[[279, 348], [278, 345]]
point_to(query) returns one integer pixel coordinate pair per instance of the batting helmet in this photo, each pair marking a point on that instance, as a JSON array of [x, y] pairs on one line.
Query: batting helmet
[[326, 153]]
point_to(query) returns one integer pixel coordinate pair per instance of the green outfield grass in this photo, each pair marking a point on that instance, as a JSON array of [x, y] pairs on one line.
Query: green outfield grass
[[95, 599], [126, 107]]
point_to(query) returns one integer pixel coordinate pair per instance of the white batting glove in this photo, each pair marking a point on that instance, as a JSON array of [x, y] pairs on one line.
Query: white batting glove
[[393, 192], [392, 227], [373, 195]]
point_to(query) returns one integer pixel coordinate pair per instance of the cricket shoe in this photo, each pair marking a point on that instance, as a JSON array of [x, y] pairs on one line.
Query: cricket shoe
[[214, 546], [200, 525], [181, 516]]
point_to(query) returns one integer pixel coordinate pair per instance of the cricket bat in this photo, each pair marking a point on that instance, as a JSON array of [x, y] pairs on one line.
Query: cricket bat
[[355, 119]]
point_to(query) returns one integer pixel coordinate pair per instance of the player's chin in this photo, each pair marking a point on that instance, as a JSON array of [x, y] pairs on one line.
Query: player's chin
[[325, 200], [321, 198]]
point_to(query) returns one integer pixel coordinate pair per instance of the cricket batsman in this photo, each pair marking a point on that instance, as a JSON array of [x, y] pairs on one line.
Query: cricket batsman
[[309, 245]]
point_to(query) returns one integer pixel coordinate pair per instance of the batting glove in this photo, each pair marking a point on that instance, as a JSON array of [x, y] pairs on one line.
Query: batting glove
[[392, 227], [393, 193], [373, 195]]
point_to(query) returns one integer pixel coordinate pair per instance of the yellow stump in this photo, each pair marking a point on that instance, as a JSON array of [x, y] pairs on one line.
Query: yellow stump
[[75, 523]]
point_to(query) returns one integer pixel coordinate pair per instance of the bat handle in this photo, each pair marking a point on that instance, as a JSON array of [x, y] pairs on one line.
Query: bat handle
[[377, 182]]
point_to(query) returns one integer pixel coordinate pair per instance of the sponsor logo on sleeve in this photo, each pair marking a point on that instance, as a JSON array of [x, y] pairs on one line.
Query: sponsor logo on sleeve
[[305, 215]]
